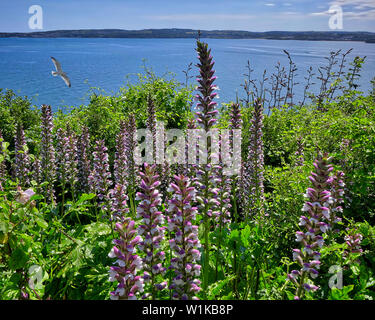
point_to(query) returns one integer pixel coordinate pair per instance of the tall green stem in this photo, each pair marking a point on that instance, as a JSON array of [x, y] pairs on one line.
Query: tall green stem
[[206, 238], [218, 249]]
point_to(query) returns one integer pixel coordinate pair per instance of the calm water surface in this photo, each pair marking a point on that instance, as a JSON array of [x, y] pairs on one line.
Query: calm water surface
[[25, 64]]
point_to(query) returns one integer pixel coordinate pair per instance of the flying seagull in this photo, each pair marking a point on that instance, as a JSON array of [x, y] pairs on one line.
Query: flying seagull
[[59, 72]]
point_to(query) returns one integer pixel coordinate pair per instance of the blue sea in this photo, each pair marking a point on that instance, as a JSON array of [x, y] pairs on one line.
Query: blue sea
[[108, 64]]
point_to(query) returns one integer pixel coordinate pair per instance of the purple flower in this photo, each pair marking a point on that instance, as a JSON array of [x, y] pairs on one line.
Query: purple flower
[[235, 179], [118, 194], [162, 168], [37, 170], [3, 170], [337, 192], [314, 222], [84, 160], [118, 202], [222, 193], [47, 154], [72, 157], [235, 116], [100, 177], [209, 205], [252, 176], [66, 159], [128, 263], [121, 156], [189, 169], [185, 242], [151, 227], [151, 124], [206, 105], [353, 240], [205, 174]]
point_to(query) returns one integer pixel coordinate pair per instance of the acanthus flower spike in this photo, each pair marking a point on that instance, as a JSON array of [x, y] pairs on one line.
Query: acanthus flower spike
[[100, 177], [66, 150], [84, 160], [151, 230], [206, 118], [120, 167], [128, 264], [314, 223], [3, 169], [252, 174], [185, 242], [47, 154]]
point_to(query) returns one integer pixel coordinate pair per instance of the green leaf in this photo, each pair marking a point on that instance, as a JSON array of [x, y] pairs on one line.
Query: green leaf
[[41, 223], [18, 259], [85, 197], [4, 227], [245, 235], [341, 294]]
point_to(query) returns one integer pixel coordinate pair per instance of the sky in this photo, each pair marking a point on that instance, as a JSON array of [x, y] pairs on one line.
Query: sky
[[250, 15]]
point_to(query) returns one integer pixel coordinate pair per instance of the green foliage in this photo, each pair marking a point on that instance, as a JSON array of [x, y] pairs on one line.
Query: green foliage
[[350, 120], [61, 252], [44, 256], [16, 109]]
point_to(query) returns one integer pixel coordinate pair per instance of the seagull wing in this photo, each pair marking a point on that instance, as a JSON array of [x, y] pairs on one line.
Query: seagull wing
[[57, 64], [66, 79]]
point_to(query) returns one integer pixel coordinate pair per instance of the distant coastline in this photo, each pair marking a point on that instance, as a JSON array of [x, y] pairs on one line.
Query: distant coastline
[[361, 36]]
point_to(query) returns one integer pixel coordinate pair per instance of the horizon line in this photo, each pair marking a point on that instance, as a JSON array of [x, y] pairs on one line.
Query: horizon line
[[190, 29]]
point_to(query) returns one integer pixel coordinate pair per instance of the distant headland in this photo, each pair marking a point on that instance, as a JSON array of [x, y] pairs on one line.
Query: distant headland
[[190, 33]]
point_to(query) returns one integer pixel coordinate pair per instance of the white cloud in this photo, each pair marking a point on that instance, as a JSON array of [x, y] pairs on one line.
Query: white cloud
[[290, 13], [368, 15], [269, 4], [360, 4], [323, 13], [352, 15], [352, 9]]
